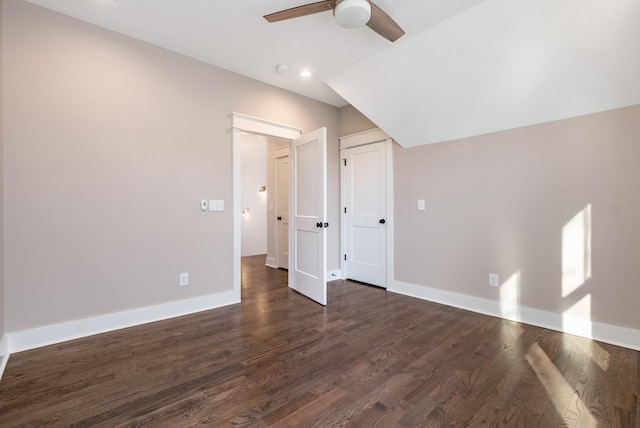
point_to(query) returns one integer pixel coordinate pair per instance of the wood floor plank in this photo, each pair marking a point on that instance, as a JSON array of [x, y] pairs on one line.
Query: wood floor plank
[[368, 359]]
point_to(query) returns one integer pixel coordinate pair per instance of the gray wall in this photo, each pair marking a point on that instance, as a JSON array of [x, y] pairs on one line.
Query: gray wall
[[2, 305], [508, 202], [110, 144], [351, 121]]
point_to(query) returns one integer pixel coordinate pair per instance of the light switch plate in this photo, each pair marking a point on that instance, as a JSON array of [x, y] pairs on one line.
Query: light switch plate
[[184, 279], [216, 205], [421, 205], [493, 280]]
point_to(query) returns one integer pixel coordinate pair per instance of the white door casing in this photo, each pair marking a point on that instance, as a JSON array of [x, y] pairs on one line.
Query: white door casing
[[282, 208], [308, 213]]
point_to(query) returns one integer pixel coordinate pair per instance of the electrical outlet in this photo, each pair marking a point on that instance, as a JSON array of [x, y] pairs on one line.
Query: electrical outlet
[[184, 279], [493, 280]]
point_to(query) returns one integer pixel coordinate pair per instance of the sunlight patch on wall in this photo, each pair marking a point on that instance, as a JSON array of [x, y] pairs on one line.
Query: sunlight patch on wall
[[510, 297], [576, 251], [566, 401]]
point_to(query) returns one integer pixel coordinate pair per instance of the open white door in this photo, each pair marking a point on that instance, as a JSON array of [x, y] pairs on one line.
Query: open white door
[[308, 207]]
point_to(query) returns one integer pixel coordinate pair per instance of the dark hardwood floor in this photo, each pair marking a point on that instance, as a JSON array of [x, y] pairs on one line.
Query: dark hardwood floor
[[370, 358]]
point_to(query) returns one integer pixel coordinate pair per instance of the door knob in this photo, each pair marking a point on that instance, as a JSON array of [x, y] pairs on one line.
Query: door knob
[[279, 218], [382, 221], [318, 224]]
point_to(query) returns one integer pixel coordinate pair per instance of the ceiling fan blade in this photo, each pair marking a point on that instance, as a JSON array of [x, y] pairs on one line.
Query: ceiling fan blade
[[382, 24], [296, 12]]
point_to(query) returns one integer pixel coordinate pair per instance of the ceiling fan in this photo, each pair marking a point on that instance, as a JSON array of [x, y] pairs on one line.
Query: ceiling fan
[[348, 14]]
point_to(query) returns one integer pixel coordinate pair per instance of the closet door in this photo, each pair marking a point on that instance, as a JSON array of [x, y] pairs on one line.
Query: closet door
[[365, 200]]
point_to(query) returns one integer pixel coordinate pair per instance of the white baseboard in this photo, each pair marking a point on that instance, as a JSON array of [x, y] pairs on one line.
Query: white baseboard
[[271, 262], [608, 333], [4, 354], [333, 275], [56, 333]]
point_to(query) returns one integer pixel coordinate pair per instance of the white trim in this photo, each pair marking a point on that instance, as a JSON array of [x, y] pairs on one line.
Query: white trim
[[56, 333], [271, 262], [390, 210], [365, 137], [608, 333], [255, 125], [243, 123], [4, 354], [236, 213]]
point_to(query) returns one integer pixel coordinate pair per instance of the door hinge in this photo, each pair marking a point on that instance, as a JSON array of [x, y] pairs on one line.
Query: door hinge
[[345, 210], [345, 162], [345, 257]]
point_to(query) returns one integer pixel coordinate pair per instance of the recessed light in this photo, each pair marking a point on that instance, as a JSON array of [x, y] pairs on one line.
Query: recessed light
[[305, 73], [282, 69]]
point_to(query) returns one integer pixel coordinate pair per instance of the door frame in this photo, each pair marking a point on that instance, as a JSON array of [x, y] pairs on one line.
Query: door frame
[[371, 136], [242, 123], [279, 153]]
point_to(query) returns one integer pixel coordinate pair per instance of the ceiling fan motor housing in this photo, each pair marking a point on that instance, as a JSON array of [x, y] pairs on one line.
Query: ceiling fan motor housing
[[352, 13]]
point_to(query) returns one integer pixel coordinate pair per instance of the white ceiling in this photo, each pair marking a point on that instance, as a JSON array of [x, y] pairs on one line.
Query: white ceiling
[[464, 68], [234, 35]]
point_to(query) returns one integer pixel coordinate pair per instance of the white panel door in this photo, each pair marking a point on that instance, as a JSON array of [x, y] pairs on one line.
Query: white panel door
[[282, 211], [308, 208], [365, 200]]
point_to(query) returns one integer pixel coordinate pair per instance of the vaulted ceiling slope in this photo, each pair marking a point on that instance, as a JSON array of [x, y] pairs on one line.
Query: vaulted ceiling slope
[[464, 68], [500, 65]]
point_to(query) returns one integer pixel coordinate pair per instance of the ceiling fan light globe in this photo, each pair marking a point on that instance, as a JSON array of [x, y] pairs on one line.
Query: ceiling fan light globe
[[352, 13]]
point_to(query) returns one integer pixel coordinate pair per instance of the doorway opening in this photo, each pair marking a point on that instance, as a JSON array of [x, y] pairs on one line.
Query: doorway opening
[[243, 128], [307, 204]]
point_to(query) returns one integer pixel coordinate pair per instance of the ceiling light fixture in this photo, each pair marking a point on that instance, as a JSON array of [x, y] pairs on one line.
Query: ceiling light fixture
[[352, 13], [305, 73], [282, 69]]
